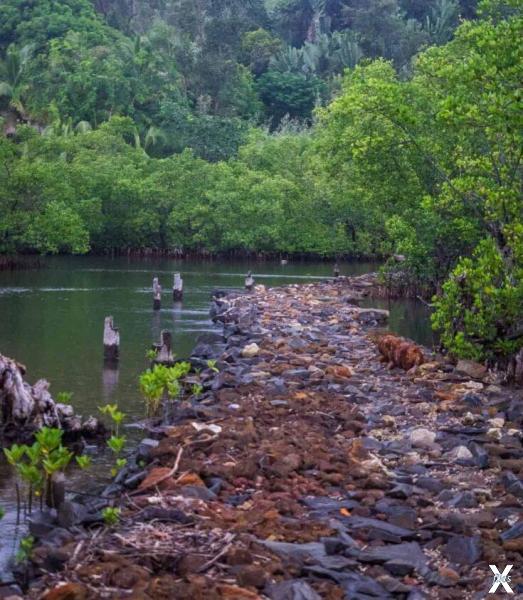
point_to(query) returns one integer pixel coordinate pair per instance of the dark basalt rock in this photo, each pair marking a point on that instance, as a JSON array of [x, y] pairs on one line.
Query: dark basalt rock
[[42, 522], [481, 456], [400, 516], [463, 550], [408, 554], [323, 506], [513, 532], [377, 530], [361, 587], [71, 514], [145, 447], [312, 551], [431, 484], [464, 500], [291, 590], [512, 484]]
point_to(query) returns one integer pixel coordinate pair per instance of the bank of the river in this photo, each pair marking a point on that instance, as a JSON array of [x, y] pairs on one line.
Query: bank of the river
[[308, 470]]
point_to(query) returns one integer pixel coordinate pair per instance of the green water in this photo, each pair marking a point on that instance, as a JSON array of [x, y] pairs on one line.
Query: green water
[[52, 321]]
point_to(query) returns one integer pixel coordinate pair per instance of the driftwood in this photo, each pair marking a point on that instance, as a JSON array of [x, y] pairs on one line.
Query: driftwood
[[26, 408]]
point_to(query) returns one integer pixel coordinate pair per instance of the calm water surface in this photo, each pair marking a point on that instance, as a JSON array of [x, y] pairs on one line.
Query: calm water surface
[[52, 321]]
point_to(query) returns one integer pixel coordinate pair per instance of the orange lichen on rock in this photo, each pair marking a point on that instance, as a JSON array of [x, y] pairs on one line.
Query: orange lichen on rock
[[399, 352]]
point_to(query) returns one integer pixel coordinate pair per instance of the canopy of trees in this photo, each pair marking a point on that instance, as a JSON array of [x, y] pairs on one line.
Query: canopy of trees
[[293, 126]]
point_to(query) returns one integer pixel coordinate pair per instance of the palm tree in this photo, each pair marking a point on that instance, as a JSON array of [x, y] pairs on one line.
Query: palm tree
[[346, 50], [83, 127], [317, 55], [442, 20], [151, 138], [11, 76], [65, 128], [289, 59]]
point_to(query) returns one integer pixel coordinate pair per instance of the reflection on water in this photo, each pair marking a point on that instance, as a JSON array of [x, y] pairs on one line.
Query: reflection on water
[[409, 318], [52, 321]]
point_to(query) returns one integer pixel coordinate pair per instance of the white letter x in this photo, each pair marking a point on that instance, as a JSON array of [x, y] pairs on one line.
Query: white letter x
[[500, 579]]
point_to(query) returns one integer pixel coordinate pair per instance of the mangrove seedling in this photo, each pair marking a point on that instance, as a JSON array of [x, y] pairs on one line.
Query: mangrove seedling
[[83, 461], [152, 391], [211, 363], [2, 513], [161, 381], [196, 389], [64, 397], [53, 456], [116, 442], [36, 465], [111, 516], [26, 548], [150, 354], [14, 457]]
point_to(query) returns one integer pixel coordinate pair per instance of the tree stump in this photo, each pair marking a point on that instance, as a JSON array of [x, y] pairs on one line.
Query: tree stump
[[26, 408], [111, 340], [157, 294], [16, 397], [336, 270], [164, 354], [177, 288], [249, 281]]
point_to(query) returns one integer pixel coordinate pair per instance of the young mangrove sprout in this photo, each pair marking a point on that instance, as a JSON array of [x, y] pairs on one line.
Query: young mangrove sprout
[[116, 442]]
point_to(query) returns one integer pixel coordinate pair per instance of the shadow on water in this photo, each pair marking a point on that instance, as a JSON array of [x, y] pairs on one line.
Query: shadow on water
[[52, 321]]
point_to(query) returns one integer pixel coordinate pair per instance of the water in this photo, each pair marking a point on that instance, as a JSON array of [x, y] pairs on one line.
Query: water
[[51, 320]]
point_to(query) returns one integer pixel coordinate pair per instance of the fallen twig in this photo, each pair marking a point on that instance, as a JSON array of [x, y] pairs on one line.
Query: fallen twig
[[211, 562], [164, 478]]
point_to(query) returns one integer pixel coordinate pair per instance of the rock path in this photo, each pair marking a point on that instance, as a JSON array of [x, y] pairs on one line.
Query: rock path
[[308, 469]]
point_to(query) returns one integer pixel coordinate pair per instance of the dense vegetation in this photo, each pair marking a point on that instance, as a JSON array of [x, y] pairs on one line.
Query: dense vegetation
[[294, 126]]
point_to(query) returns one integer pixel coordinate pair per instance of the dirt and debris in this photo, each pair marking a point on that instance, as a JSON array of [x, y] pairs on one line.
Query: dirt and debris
[[307, 468]]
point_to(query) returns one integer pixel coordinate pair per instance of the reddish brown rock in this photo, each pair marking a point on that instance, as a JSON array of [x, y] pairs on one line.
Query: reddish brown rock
[[66, 591]]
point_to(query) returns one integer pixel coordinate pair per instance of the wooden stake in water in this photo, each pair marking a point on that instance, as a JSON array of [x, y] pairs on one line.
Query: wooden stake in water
[[336, 270], [249, 281], [111, 340], [157, 294], [177, 287], [164, 354]]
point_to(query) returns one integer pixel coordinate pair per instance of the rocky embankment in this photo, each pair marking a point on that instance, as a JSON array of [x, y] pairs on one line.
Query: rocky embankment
[[310, 469]]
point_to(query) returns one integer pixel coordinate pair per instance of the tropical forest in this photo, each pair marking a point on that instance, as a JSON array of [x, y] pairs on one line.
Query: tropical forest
[[340, 183]]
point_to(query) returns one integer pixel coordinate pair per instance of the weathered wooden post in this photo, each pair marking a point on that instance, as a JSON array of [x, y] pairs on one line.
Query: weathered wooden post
[[164, 354], [177, 288], [111, 340], [249, 281], [157, 294], [336, 271]]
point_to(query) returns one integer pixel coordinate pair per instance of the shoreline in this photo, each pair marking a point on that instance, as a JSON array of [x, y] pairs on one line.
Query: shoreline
[[312, 469]]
